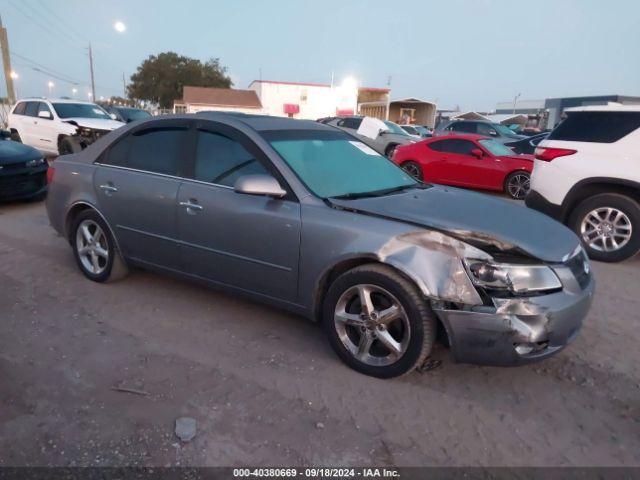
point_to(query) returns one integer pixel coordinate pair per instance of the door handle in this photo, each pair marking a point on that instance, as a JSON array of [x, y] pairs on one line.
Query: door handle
[[108, 189], [191, 206]]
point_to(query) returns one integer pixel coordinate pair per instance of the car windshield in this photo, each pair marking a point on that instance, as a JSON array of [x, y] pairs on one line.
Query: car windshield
[[333, 164], [496, 148], [394, 128], [80, 110], [422, 130], [505, 131], [409, 129], [131, 114]]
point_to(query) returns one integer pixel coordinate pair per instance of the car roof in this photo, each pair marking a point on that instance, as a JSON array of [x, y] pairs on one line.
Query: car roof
[[460, 136], [611, 107], [55, 100], [265, 122]]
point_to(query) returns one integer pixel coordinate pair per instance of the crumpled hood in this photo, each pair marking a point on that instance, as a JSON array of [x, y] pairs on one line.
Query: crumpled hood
[[476, 218], [16, 152], [97, 123]]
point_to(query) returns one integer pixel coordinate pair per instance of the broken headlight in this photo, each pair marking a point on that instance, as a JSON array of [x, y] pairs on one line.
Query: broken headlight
[[515, 278]]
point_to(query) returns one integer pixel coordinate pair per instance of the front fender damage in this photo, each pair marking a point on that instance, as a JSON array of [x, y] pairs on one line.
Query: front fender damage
[[434, 261]]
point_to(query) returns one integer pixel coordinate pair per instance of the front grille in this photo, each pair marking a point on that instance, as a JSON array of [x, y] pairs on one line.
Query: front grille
[[579, 266], [21, 184], [13, 166]]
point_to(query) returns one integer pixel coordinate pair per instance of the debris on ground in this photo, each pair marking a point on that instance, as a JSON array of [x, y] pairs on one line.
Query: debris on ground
[[134, 391], [186, 428], [428, 365]]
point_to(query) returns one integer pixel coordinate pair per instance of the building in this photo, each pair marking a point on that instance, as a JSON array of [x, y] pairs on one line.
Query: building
[[557, 106], [196, 99], [523, 107], [413, 111], [306, 100], [374, 102]]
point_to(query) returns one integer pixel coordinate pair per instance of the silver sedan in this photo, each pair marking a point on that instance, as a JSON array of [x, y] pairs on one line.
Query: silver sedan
[[307, 217]]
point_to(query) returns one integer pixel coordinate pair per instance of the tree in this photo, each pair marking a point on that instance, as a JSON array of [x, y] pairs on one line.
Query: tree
[[160, 78]]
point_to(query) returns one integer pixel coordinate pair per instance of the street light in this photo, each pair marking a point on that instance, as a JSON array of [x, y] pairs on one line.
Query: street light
[[89, 94], [74, 90], [14, 76], [50, 84], [515, 100]]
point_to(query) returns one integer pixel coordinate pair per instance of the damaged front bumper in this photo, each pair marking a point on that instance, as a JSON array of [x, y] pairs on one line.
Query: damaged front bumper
[[516, 331]]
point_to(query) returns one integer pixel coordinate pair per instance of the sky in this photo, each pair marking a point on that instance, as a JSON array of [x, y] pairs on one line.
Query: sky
[[459, 53]]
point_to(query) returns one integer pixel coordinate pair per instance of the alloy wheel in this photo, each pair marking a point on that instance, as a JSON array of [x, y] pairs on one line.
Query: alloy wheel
[[412, 169], [606, 229], [372, 325], [92, 247], [519, 185]]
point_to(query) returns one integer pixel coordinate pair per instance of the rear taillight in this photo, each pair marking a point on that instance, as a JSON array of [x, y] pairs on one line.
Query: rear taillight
[[547, 154], [50, 172]]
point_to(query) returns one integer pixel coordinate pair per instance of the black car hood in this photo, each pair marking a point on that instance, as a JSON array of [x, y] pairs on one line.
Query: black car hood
[[475, 218], [15, 152]]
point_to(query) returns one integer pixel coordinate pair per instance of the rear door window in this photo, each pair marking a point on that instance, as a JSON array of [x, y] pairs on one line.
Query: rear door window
[[600, 127], [157, 150], [32, 109], [350, 123], [467, 127]]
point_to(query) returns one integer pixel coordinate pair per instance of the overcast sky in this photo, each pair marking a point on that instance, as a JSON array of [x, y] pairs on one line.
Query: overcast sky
[[461, 52]]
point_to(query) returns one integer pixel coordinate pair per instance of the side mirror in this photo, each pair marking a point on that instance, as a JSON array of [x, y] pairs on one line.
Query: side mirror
[[382, 132], [476, 152], [264, 185], [113, 116], [45, 114], [493, 133]]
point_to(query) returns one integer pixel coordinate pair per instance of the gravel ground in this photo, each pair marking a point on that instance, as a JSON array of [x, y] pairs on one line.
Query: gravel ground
[[266, 389]]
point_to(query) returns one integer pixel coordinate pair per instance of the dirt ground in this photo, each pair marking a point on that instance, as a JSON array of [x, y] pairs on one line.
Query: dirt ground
[[266, 389]]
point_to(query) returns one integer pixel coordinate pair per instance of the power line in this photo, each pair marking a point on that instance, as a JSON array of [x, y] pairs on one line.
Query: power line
[[44, 67], [63, 22], [43, 25]]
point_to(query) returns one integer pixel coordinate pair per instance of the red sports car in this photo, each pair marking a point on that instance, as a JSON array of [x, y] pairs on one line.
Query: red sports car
[[472, 161]]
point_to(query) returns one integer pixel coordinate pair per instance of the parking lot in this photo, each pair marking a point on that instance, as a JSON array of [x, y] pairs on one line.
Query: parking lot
[[265, 387]]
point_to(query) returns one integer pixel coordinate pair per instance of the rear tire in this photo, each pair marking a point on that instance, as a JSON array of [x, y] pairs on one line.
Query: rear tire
[[605, 220], [394, 338], [95, 250], [390, 150], [518, 184], [413, 169]]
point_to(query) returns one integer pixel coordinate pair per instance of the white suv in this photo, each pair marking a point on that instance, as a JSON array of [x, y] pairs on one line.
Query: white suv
[[587, 175], [57, 127]]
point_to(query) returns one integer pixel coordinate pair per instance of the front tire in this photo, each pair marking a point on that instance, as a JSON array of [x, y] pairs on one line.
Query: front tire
[[378, 322], [69, 145], [94, 248], [517, 184], [608, 225]]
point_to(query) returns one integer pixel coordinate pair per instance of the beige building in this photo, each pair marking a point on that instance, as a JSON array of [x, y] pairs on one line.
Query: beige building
[[197, 99]]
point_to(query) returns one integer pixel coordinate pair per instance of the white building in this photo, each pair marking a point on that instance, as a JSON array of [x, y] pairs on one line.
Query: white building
[[306, 100]]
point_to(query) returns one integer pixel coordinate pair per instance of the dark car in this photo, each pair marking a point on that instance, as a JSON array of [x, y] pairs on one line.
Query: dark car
[[127, 114], [494, 130], [23, 170], [528, 144]]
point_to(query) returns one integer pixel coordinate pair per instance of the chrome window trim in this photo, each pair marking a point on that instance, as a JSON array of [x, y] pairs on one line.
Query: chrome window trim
[[184, 179]]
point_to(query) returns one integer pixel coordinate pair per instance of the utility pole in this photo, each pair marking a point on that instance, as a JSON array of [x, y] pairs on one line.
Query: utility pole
[[93, 85], [6, 63], [515, 100], [124, 87]]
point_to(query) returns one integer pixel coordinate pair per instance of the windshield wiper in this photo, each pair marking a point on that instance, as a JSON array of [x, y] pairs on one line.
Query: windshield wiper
[[375, 193]]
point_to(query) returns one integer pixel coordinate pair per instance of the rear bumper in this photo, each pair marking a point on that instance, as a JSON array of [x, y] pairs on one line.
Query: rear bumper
[[540, 203], [490, 335]]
